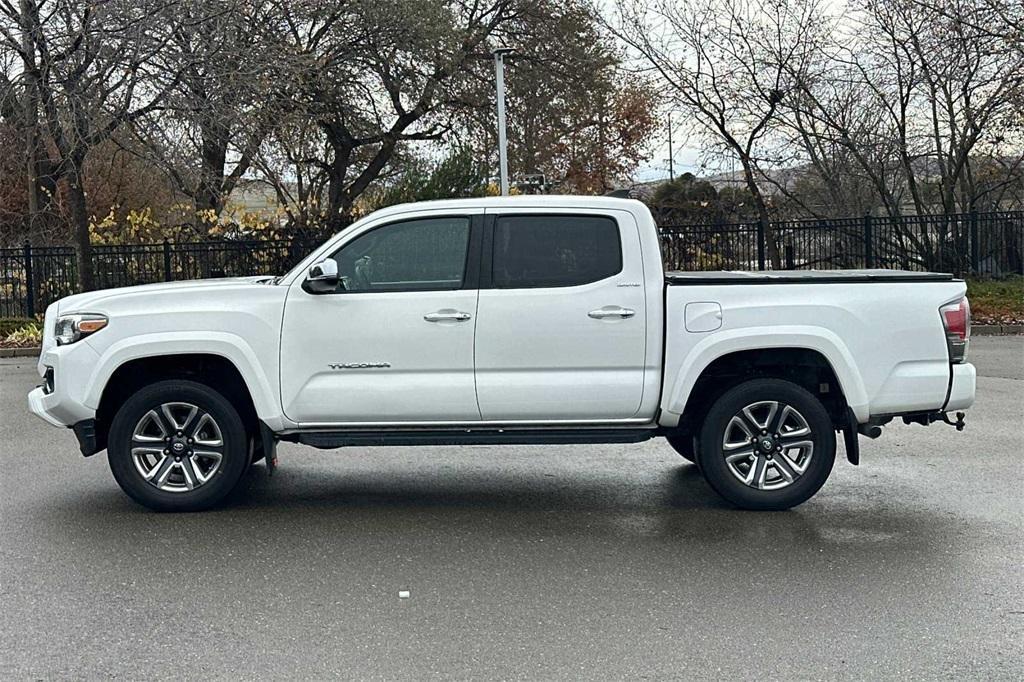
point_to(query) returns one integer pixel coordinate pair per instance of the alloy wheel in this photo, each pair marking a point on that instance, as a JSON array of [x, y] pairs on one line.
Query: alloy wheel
[[768, 445], [177, 447]]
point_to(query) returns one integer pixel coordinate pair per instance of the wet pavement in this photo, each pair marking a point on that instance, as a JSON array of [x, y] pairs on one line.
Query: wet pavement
[[583, 562]]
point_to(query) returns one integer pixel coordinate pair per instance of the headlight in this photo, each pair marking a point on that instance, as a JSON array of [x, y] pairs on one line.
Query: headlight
[[71, 328]]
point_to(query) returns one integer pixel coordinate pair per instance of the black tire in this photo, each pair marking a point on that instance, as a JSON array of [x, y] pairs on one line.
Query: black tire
[[685, 445], [235, 455], [724, 478]]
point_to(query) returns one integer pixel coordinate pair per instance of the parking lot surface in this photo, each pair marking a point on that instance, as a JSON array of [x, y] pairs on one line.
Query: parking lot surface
[[592, 562]]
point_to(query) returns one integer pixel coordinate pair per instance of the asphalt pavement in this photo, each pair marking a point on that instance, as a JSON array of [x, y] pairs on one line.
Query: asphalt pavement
[[546, 562]]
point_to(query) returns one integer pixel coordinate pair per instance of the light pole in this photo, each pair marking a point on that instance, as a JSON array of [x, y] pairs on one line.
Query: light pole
[[671, 159], [499, 79]]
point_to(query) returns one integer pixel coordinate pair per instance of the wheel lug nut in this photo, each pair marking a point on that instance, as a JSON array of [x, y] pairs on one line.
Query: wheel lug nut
[[167, 452], [177, 459]]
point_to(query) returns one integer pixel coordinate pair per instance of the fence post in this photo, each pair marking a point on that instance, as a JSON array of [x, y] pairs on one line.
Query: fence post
[[869, 246], [30, 285], [760, 243], [975, 246], [167, 260]]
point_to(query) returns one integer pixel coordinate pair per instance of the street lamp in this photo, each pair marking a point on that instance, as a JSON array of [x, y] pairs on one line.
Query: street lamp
[[499, 79]]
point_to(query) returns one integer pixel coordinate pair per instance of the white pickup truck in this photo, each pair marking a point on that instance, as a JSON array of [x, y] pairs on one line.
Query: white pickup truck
[[503, 321]]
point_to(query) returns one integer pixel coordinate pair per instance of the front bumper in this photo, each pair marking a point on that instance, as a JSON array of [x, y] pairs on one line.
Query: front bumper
[[66, 404], [42, 405]]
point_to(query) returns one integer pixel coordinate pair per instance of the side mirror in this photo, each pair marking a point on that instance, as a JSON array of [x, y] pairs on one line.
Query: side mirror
[[322, 277]]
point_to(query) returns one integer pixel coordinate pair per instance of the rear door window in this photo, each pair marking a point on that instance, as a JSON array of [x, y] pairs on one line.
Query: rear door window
[[532, 251]]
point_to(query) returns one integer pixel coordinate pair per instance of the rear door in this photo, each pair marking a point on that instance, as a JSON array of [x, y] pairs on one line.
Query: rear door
[[561, 318]]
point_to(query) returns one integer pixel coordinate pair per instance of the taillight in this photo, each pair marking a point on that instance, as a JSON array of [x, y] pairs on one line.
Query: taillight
[[956, 318]]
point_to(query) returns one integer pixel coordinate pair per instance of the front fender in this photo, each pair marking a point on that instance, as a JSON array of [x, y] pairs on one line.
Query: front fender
[[716, 345], [229, 346]]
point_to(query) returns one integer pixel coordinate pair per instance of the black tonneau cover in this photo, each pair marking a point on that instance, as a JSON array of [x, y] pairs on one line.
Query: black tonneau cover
[[677, 278]]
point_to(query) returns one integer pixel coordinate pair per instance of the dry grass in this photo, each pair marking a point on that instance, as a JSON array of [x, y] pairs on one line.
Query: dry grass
[[997, 301]]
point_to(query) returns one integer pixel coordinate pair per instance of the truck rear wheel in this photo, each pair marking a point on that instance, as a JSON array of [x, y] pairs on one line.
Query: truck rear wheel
[[767, 444], [177, 446]]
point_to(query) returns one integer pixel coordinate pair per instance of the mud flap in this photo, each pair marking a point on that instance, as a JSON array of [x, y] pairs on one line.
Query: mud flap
[[850, 438], [85, 432], [268, 443]]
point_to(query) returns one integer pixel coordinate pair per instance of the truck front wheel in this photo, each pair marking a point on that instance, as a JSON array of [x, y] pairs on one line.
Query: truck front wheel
[[767, 444], [177, 446]]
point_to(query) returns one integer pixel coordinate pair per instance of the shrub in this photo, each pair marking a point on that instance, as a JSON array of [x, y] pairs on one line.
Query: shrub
[[9, 325], [28, 336]]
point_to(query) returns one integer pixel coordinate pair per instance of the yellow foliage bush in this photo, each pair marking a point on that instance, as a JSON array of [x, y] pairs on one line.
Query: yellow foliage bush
[[28, 336]]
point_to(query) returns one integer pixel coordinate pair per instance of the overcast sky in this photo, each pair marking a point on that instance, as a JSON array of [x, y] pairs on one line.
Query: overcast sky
[[685, 152]]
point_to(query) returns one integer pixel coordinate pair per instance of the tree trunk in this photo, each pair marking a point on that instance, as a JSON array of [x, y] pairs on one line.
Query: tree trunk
[[338, 205], [30, 111], [80, 227], [213, 159], [762, 215], [339, 201]]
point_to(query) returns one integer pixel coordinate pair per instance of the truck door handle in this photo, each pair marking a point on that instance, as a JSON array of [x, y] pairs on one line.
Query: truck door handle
[[611, 311], [447, 315]]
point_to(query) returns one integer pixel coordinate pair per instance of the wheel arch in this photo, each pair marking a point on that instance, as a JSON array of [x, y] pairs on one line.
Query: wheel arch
[[808, 360], [210, 369]]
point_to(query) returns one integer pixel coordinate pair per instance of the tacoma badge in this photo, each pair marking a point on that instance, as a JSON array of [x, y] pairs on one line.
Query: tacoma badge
[[359, 365]]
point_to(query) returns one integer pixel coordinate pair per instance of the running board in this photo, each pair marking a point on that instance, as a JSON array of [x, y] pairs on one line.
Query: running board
[[471, 436]]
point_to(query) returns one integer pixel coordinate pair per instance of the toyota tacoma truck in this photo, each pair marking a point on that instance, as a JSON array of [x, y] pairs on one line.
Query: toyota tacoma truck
[[503, 321]]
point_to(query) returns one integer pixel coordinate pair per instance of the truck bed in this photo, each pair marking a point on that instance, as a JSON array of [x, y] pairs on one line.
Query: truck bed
[[677, 278]]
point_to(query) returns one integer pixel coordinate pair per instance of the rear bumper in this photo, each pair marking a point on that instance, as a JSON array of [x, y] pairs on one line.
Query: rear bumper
[[961, 388]]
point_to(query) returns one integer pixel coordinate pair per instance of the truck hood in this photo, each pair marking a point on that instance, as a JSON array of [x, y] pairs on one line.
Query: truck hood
[[84, 303]]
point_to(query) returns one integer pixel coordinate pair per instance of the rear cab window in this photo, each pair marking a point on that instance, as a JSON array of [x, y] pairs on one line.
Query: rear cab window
[[531, 251]]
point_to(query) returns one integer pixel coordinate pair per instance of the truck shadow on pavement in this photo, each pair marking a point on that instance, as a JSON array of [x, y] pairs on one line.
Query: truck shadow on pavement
[[681, 488], [312, 500]]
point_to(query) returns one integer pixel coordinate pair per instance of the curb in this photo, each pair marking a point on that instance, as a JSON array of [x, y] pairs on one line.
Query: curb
[[20, 352], [996, 329]]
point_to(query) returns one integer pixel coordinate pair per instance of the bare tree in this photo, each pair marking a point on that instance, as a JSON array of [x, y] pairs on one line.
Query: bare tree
[[287, 163], [87, 70], [915, 97], [730, 64], [944, 89], [229, 93], [375, 76]]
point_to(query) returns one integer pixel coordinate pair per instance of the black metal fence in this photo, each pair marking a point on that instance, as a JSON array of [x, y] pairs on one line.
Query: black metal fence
[[981, 243], [969, 243], [33, 277]]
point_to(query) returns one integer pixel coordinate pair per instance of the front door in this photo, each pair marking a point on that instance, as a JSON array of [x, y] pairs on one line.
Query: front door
[[394, 343], [561, 324]]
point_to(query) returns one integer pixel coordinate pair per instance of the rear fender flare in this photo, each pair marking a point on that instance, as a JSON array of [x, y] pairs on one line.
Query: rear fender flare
[[719, 344]]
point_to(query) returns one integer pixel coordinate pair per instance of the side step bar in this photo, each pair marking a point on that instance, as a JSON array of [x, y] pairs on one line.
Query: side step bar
[[471, 436]]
